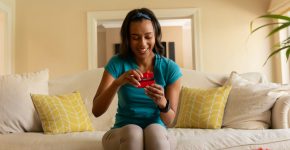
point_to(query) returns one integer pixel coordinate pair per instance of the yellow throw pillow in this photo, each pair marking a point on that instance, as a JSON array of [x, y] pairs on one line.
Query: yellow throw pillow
[[62, 113], [202, 108]]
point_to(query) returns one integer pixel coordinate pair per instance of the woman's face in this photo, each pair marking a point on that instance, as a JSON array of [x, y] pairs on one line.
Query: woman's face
[[142, 38]]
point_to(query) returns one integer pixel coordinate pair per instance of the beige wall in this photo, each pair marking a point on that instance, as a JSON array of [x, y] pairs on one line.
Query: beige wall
[[52, 34], [279, 6]]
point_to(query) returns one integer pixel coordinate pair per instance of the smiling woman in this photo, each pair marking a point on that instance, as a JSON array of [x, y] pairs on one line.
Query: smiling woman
[[143, 114]]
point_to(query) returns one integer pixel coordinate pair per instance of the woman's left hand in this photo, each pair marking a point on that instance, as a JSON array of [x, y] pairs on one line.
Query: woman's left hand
[[156, 92]]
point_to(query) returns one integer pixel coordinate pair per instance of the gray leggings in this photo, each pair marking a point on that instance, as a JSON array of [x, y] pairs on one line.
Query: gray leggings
[[133, 137]]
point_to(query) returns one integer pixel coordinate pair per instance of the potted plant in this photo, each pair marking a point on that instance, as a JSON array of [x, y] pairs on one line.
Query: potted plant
[[278, 26]]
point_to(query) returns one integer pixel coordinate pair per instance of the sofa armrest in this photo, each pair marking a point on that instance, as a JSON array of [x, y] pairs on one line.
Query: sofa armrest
[[280, 113]]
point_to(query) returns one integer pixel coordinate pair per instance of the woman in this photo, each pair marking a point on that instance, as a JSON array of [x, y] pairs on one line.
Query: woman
[[143, 113]]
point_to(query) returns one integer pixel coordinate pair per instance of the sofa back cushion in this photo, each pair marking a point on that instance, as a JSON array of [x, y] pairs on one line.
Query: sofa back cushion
[[249, 104], [17, 113], [197, 79], [86, 83]]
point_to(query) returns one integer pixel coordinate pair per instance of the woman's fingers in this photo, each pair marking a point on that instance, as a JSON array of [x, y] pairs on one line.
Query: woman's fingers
[[132, 80], [133, 77], [154, 96], [137, 74], [155, 88], [154, 91]]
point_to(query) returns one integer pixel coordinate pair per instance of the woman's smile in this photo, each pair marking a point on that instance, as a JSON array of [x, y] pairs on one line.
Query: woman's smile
[[143, 51]]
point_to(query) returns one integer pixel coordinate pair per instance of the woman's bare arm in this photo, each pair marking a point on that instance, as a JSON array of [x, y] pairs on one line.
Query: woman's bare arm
[[160, 97], [109, 87], [105, 94], [172, 95]]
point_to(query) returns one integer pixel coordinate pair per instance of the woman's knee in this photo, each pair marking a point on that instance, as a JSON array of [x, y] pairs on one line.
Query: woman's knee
[[132, 131], [157, 138], [156, 130]]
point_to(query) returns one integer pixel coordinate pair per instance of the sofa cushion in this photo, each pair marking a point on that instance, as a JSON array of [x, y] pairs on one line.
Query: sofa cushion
[[198, 79], [202, 108], [231, 139], [187, 139], [86, 83], [62, 113], [17, 113], [41, 141], [249, 104]]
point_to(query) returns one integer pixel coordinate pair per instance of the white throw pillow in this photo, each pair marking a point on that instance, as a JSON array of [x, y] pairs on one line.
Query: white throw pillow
[[17, 112], [249, 104]]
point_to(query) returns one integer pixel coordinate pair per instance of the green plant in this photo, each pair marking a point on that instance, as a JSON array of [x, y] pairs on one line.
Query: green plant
[[278, 26]]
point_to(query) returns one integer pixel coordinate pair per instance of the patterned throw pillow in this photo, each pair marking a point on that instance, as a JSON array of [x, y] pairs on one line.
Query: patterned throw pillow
[[62, 113], [202, 108]]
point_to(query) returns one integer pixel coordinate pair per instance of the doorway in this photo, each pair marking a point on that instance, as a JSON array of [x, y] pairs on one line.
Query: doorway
[[99, 17], [175, 40]]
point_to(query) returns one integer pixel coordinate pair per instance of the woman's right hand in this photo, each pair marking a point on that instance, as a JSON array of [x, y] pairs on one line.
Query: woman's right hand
[[131, 77]]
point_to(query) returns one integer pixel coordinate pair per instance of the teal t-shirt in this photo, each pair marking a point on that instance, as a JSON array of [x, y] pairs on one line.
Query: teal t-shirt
[[134, 106]]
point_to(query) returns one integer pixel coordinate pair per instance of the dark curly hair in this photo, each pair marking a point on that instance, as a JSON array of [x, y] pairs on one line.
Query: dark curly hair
[[139, 15]]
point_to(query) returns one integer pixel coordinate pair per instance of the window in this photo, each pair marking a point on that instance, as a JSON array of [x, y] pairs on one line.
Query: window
[[285, 65], [6, 40], [2, 23]]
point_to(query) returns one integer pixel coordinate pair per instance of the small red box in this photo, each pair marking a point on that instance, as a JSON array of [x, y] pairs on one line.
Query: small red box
[[148, 79]]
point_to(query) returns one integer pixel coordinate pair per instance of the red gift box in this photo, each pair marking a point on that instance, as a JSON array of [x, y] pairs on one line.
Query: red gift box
[[148, 79]]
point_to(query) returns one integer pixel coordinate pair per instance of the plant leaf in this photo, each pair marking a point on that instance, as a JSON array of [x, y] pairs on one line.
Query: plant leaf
[[286, 41], [274, 16], [265, 25], [285, 25], [275, 52], [288, 53]]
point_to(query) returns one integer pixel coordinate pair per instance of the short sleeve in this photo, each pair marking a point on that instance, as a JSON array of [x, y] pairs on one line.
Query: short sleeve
[[173, 72], [113, 66]]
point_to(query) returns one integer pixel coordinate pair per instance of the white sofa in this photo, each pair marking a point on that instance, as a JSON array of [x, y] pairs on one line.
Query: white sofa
[[187, 139]]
